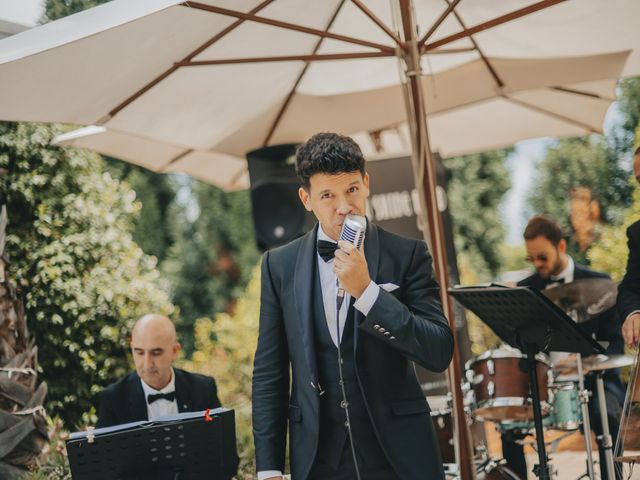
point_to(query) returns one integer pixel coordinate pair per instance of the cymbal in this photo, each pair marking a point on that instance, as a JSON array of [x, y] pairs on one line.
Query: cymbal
[[596, 362], [584, 299]]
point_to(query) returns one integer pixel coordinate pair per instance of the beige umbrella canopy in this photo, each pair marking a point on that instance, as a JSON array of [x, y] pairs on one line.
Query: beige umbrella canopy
[[180, 86], [550, 97], [197, 80]]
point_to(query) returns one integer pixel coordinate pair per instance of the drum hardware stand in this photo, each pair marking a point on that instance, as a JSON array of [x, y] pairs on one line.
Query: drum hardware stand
[[586, 422], [543, 469], [607, 443]]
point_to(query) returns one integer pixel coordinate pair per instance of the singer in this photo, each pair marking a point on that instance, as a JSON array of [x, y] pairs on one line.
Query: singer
[[343, 380]]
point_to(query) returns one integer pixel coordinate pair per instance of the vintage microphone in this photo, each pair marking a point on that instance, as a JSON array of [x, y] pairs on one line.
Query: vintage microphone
[[353, 230]]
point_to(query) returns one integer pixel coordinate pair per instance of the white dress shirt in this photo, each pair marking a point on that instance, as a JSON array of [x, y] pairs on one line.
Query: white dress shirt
[[329, 293], [567, 274], [162, 406]]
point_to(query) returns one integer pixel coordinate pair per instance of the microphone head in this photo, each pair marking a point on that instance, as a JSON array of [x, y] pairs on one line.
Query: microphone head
[[353, 229]]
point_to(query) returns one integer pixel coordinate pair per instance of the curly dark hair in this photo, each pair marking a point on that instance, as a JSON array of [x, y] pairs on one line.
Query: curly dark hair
[[328, 153], [544, 226]]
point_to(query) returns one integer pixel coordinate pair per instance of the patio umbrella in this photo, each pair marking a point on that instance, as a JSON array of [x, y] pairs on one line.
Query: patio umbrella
[[540, 97], [224, 77]]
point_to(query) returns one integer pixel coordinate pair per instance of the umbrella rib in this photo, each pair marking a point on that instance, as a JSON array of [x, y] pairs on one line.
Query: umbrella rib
[[378, 21], [437, 23], [287, 101], [290, 58], [290, 26], [494, 23], [485, 60], [573, 91], [177, 65], [551, 114], [175, 159]]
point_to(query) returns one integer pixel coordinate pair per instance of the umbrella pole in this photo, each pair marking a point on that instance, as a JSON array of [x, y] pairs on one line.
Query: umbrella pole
[[425, 175]]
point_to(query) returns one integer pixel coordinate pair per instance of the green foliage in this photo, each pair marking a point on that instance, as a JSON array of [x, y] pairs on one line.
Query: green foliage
[[83, 278], [56, 464], [629, 105], [213, 256], [513, 258], [55, 9], [156, 193], [476, 186], [229, 359], [609, 254], [580, 162]]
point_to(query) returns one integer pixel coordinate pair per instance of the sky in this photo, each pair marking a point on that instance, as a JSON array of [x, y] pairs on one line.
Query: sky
[[24, 12]]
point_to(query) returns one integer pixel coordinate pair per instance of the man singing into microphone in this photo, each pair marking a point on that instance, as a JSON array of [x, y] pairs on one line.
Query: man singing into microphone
[[391, 316]]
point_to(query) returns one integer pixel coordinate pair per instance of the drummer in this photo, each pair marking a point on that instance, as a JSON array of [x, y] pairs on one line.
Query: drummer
[[547, 250]]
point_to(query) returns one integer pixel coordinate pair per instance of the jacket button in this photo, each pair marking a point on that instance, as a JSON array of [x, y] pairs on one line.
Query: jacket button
[[376, 326], [346, 424], [386, 334], [344, 404], [382, 330], [392, 338]]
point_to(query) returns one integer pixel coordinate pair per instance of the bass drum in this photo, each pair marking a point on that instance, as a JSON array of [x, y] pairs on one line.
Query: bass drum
[[493, 470]]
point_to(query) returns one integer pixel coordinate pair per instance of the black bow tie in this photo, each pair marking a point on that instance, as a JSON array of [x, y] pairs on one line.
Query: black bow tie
[[326, 249], [171, 396], [555, 280]]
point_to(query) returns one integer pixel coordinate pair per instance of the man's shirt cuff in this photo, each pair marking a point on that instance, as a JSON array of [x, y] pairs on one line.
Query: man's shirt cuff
[[368, 298], [632, 313], [269, 474]]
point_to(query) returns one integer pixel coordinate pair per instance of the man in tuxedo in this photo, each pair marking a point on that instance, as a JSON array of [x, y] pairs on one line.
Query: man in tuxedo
[[547, 250], [365, 415], [629, 289], [155, 388]]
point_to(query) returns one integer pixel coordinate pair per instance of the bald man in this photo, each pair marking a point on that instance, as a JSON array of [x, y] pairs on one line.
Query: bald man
[[155, 388]]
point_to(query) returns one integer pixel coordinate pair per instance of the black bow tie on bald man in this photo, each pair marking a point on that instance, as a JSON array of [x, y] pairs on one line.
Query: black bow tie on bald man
[[171, 396], [327, 250]]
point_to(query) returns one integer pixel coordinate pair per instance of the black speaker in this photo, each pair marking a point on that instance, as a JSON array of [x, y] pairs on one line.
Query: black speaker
[[278, 213]]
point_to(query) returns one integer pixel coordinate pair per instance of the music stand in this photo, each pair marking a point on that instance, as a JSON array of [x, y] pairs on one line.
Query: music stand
[[527, 320], [185, 446]]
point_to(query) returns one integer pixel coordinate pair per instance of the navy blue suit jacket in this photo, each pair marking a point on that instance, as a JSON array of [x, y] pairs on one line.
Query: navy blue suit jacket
[[418, 331]]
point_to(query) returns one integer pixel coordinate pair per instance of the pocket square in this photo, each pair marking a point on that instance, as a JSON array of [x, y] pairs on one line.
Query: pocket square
[[389, 287]]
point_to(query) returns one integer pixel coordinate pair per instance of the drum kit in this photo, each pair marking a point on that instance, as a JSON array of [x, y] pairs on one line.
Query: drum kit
[[498, 388]]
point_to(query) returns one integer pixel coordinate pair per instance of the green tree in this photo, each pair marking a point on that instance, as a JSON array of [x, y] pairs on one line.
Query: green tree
[[229, 359], [55, 9], [609, 254], [83, 277], [476, 185], [629, 106], [211, 262], [580, 162]]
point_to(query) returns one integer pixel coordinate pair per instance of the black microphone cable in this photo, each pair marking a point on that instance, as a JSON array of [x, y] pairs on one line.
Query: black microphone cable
[[344, 403]]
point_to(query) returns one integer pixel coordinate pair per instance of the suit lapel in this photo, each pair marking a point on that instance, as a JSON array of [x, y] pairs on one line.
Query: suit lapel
[[303, 292], [185, 402], [372, 254], [137, 402]]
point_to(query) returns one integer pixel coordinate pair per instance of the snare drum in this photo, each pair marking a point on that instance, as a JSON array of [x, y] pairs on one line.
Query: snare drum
[[565, 407], [501, 385]]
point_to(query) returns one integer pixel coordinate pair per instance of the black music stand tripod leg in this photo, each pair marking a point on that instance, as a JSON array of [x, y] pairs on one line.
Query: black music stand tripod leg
[[543, 469]]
